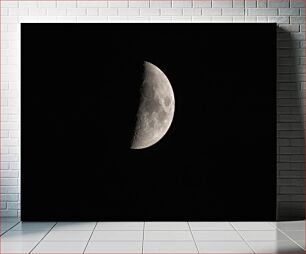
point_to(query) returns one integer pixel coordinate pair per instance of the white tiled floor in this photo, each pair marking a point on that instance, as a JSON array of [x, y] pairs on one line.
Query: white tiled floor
[[152, 237]]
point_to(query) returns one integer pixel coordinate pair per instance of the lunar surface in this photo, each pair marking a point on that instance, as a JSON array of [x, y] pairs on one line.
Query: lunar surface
[[156, 108]]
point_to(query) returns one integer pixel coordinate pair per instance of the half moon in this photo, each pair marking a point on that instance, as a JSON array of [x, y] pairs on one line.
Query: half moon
[[156, 108]]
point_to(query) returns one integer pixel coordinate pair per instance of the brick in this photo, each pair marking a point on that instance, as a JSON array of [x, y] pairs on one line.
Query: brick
[[9, 213], [291, 134], [8, 181], [291, 182], [238, 3], [160, 4], [211, 11], [92, 4], [291, 174], [76, 12], [202, 3], [262, 4], [297, 166], [279, 19], [57, 12], [38, 11], [128, 11], [47, 4], [297, 158], [297, 142], [202, 19], [18, 11], [181, 19], [297, 3], [66, 4], [291, 198], [92, 11], [291, 150], [192, 11], [3, 205], [9, 4], [92, 19], [10, 189], [297, 20], [238, 19], [108, 11], [139, 4], [289, 28], [171, 11], [9, 197], [262, 19], [118, 4], [222, 19], [222, 3], [13, 205], [278, 3], [233, 11], [182, 3], [117, 18], [291, 189], [262, 12], [9, 173], [150, 12], [250, 3], [289, 11]]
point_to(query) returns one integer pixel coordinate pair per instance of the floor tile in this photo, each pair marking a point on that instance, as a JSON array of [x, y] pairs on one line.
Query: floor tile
[[33, 226], [291, 225], [252, 226], [210, 226], [74, 226], [60, 247], [117, 236], [68, 236], [276, 247], [114, 247], [223, 247], [17, 247], [169, 247], [120, 226], [297, 235], [273, 235], [9, 220], [23, 236], [216, 236], [152, 225], [167, 236], [8, 225]]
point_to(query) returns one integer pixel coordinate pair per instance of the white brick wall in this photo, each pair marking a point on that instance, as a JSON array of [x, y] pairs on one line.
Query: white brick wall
[[289, 14]]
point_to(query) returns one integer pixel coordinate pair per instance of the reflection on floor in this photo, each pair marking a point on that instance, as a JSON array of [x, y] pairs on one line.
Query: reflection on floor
[[152, 237]]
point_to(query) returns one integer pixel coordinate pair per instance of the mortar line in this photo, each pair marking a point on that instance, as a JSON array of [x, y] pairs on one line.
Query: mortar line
[[193, 237], [43, 238], [244, 240], [90, 236]]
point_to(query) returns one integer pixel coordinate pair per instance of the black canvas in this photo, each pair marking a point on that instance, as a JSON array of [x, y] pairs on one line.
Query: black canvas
[[79, 101]]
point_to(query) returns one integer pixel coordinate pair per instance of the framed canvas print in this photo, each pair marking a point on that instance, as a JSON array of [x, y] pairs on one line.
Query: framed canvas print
[[131, 122]]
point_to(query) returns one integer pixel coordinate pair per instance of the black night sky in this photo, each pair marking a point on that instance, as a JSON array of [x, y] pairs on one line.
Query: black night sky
[[80, 94]]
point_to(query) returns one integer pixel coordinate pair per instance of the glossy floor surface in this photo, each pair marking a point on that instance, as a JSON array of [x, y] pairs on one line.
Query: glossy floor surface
[[152, 237]]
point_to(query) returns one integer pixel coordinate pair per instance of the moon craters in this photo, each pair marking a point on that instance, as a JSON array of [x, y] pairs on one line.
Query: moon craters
[[156, 108]]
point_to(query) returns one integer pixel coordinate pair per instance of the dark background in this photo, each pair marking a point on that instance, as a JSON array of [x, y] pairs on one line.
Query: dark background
[[80, 92]]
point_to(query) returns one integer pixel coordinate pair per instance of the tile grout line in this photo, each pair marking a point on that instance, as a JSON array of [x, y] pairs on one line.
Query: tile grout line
[[193, 237], [247, 243], [42, 238], [290, 238], [9, 228], [90, 237], [143, 232]]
